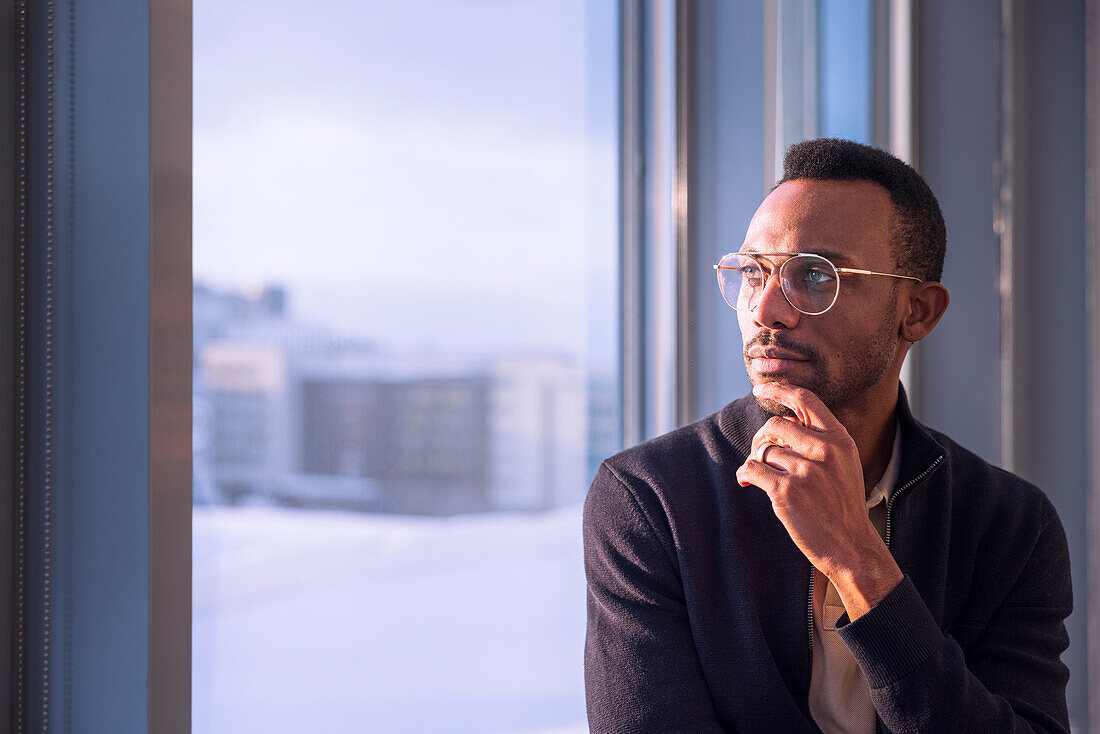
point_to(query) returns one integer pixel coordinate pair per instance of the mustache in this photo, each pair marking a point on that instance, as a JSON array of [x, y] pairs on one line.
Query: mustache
[[782, 341]]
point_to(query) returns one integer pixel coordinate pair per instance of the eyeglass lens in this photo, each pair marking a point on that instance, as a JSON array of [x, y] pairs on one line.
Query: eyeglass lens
[[809, 282]]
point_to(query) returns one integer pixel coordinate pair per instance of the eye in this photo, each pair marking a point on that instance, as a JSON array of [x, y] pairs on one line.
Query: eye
[[818, 276], [751, 274]]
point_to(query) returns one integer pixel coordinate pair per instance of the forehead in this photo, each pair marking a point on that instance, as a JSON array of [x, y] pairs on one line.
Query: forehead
[[847, 220]]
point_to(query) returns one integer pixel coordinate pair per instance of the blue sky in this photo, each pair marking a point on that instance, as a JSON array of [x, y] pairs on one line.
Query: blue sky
[[424, 173]]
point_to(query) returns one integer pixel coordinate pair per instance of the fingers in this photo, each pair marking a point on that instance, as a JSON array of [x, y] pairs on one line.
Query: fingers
[[807, 407], [790, 446], [758, 473], [789, 434], [763, 448]]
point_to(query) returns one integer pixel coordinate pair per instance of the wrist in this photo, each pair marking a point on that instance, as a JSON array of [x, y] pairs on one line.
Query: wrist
[[861, 586]]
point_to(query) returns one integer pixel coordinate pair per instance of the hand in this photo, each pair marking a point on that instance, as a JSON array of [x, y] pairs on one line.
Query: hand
[[814, 479]]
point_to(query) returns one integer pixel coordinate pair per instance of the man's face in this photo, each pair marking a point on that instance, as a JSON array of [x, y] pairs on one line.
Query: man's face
[[843, 353]]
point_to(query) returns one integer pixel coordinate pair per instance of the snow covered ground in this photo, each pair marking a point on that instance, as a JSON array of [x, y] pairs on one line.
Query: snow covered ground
[[338, 622]]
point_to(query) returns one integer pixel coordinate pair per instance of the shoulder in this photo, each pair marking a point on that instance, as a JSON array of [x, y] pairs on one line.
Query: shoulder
[[681, 469], [973, 476], [993, 501], [714, 441], [1009, 535]]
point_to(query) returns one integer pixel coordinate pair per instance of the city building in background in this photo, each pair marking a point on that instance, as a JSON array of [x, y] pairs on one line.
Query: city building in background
[[292, 415]]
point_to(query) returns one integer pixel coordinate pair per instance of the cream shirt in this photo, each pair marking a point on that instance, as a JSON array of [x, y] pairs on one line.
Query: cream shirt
[[840, 698]]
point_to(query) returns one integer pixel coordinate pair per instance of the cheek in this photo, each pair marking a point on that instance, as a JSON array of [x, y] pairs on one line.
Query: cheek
[[744, 322], [839, 338]]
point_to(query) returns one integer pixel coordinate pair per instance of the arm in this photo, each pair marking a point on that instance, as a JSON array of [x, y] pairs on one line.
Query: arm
[[1010, 678], [641, 670]]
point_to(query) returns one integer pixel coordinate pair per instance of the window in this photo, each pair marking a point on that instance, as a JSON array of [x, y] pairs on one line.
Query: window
[[405, 359]]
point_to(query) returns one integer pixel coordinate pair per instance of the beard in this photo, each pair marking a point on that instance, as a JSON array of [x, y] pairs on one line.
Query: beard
[[862, 369]]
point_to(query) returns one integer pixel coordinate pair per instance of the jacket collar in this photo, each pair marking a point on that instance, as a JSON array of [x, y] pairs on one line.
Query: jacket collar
[[919, 448]]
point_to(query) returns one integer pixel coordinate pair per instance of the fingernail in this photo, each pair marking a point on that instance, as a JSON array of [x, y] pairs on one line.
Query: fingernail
[[743, 484]]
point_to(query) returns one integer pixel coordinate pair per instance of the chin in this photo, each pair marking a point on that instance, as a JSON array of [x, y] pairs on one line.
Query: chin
[[758, 378], [774, 408]]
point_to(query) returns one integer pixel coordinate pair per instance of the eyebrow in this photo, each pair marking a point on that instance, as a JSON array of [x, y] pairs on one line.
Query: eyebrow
[[837, 258]]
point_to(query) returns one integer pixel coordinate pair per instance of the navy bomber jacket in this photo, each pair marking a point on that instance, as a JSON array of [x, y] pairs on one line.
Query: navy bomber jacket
[[699, 602]]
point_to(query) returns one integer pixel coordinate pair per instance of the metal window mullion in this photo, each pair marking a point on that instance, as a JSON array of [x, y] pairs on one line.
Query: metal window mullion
[[63, 298], [811, 72], [659, 252], [1092, 245], [663, 234], [687, 249], [13, 219], [632, 230], [170, 363], [1011, 225], [900, 114], [902, 134]]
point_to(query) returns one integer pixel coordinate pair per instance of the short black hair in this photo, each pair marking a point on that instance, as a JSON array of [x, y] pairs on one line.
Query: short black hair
[[919, 235]]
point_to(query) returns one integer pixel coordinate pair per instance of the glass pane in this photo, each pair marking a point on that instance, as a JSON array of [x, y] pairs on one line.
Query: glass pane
[[845, 73], [824, 74], [405, 359]]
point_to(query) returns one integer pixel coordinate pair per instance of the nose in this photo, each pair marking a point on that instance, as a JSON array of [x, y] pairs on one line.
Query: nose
[[773, 310]]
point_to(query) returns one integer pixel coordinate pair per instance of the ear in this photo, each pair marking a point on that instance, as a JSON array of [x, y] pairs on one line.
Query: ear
[[926, 303]]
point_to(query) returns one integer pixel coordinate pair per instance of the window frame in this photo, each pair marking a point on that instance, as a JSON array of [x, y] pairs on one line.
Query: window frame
[[97, 353]]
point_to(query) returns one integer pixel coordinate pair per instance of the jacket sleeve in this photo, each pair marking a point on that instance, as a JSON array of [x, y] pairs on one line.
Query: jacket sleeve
[[1009, 679], [641, 669]]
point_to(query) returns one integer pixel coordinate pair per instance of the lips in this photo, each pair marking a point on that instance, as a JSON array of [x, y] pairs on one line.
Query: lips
[[774, 360], [774, 355], [757, 352]]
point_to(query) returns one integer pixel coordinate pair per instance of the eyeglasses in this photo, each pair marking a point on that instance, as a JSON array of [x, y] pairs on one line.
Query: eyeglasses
[[810, 283]]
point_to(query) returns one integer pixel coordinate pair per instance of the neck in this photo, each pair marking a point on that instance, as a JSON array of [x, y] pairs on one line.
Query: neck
[[872, 426]]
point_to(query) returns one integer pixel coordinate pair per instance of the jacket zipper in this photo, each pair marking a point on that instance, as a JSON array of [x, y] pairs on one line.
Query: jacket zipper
[[810, 618], [886, 539], [810, 636], [894, 496]]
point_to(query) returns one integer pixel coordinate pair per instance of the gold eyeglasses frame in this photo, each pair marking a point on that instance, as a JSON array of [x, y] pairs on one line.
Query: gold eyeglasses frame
[[777, 270]]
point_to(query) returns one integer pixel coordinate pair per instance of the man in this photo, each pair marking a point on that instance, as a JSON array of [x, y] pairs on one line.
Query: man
[[810, 558]]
